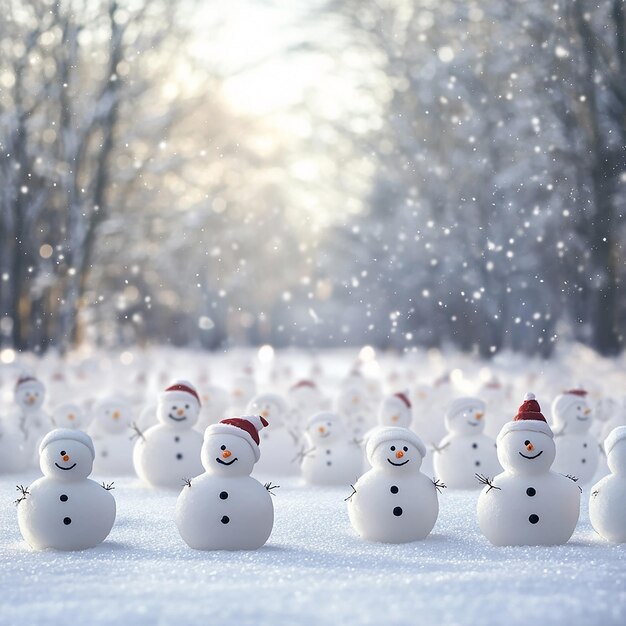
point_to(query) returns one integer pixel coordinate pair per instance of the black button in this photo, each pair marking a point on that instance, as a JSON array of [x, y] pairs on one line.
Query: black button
[[533, 519], [477, 463], [328, 463], [176, 439], [225, 519], [397, 511], [584, 445], [67, 521], [474, 445], [63, 498], [584, 460], [223, 495], [531, 491], [393, 489], [179, 456], [327, 451]]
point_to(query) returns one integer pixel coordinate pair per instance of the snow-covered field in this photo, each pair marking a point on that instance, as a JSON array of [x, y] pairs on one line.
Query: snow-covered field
[[314, 570]]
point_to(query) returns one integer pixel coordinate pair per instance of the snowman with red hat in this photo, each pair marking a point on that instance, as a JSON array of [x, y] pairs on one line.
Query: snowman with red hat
[[528, 503], [465, 450], [32, 421], [170, 451], [577, 450], [225, 508]]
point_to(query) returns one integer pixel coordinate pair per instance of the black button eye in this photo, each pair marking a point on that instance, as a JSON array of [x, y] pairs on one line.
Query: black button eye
[[527, 443], [186, 406], [174, 408], [405, 449], [393, 448], [328, 424], [222, 447], [63, 453]]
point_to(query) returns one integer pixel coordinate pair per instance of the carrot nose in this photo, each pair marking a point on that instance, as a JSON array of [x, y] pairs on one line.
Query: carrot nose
[[265, 413], [322, 429], [116, 415], [237, 392], [226, 453], [66, 457], [587, 411], [530, 447], [394, 418], [71, 416], [479, 416], [355, 399], [399, 454], [180, 412]]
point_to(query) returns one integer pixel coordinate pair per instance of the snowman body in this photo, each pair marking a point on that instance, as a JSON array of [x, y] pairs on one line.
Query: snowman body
[[225, 508], [465, 451], [528, 504], [64, 510], [394, 502], [113, 437], [331, 457], [607, 510]]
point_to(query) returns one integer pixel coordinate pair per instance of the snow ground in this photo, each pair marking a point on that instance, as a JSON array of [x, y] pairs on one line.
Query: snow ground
[[314, 570]]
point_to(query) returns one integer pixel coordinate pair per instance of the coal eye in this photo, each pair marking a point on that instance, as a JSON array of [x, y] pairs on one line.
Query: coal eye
[[526, 443], [186, 406], [174, 407], [222, 447], [393, 448], [405, 449], [63, 453], [329, 424]]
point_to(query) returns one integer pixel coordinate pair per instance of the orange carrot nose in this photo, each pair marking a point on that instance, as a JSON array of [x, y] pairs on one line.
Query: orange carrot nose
[[265, 413], [322, 429], [399, 454], [226, 453], [237, 392], [66, 457], [530, 447], [71, 416], [394, 418], [116, 415], [587, 412], [180, 412], [479, 416], [355, 399]]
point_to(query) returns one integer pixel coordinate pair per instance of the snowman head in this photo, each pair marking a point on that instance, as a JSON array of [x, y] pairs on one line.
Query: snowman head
[[395, 410], [29, 393], [395, 449], [179, 405], [571, 411], [306, 396], [66, 454], [231, 447], [113, 414], [325, 427], [244, 387], [353, 396], [615, 448], [69, 415], [269, 406], [526, 444], [465, 416]]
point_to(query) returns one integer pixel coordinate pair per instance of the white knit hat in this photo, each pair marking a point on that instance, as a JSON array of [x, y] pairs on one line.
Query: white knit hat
[[564, 401], [393, 433], [615, 436], [68, 434]]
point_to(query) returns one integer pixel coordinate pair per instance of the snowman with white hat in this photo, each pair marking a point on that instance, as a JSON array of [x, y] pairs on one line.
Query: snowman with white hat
[[225, 508], [64, 509], [32, 421], [465, 450], [170, 451], [394, 502]]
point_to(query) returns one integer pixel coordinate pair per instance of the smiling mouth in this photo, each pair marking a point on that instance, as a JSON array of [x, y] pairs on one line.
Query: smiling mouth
[[177, 419], [532, 457], [398, 464], [473, 423], [325, 435], [582, 418], [224, 462], [65, 468]]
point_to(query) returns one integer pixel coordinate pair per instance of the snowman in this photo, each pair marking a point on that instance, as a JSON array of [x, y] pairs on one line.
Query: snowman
[[33, 421], [169, 452], [225, 508], [306, 398], [64, 510], [331, 456], [111, 430], [466, 450], [577, 451], [280, 443], [243, 390], [394, 502], [353, 403], [69, 415], [528, 504], [606, 503]]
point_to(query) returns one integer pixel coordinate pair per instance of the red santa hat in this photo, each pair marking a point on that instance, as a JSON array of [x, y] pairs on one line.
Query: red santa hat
[[529, 417], [403, 396], [304, 383], [184, 388], [22, 380], [246, 427]]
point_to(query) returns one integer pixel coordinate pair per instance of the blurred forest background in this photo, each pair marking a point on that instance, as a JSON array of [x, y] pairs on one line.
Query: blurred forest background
[[320, 173]]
